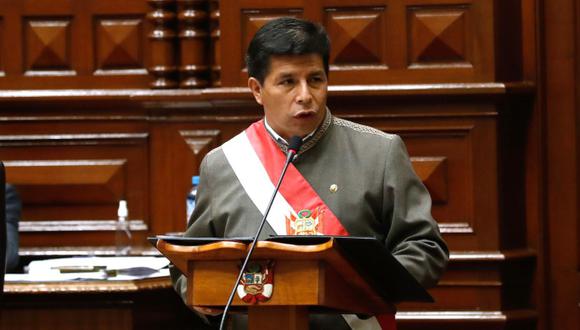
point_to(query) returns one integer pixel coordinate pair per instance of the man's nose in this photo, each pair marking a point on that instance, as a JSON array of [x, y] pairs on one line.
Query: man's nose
[[304, 93]]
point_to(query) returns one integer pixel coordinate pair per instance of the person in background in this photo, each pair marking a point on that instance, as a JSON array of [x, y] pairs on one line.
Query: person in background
[[13, 210]]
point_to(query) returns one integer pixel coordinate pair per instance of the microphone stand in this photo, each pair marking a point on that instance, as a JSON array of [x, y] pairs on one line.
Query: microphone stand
[[295, 143]]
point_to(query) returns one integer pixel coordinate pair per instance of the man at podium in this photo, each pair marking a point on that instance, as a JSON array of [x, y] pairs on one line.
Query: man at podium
[[347, 179]]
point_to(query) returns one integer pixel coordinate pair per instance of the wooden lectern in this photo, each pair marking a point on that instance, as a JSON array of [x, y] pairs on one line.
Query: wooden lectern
[[312, 277]]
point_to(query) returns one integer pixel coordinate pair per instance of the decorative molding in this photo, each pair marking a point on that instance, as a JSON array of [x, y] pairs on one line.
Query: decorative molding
[[491, 256], [455, 228], [94, 286], [215, 97], [357, 36], [253, 19], [119, 45], [201, 140], [438, 36], [72, 139], [433, 172], [47, 46], [77, 226], [457, 316], [64, 251], [46, 182]]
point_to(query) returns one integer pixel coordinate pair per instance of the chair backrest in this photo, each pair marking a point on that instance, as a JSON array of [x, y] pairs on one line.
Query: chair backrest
[[2, 227]]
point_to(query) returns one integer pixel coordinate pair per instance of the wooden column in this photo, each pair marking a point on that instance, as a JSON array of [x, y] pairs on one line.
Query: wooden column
[[561, 96], [215, 43], [194, 43], [162, 44]]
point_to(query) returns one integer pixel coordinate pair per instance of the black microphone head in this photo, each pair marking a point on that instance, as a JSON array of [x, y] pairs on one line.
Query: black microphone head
[[295, 143]]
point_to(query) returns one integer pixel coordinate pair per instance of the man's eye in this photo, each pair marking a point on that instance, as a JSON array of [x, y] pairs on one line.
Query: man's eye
[[286, 82], [316, 80]]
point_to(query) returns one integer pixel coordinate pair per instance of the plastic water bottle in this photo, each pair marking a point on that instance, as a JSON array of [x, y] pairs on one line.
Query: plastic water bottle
[[190, 203], [122, 230]]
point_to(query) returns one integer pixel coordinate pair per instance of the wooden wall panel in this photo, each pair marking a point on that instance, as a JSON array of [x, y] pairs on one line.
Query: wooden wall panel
[[454, 140], [179, 151], [119, 45], [74, 44], [378, 42], [458, 213], [47, 46], [357, 35], [69, 181]]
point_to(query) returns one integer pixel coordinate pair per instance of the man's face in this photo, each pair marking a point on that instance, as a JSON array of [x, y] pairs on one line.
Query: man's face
[[293, 94]]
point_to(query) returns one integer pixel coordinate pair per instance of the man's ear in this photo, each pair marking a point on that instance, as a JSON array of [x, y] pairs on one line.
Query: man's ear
[[256, 89]]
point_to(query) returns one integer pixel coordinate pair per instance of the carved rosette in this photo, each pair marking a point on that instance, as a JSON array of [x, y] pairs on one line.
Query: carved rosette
[[194, 43], [162, 43], [215, 43]]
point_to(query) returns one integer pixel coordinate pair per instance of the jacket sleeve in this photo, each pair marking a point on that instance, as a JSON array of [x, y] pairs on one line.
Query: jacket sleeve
[[13, 210], [413, 237]]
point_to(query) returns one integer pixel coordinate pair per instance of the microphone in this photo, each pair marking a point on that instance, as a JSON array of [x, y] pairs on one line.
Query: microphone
[[293, 147]]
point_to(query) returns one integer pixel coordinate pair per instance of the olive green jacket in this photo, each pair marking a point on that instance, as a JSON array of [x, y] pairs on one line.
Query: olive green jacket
[[379, 195]]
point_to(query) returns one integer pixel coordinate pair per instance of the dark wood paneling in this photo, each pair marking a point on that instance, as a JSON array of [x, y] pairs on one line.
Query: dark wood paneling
[[148, 304], [150, 155], [72, 177], [376, 41], [560, 110], [73, 44]]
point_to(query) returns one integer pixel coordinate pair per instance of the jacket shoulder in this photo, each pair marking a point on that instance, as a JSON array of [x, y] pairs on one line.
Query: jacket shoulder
[[362, 129]]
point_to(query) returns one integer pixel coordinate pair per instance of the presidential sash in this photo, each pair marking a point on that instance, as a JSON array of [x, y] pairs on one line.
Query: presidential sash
[[297, 209]]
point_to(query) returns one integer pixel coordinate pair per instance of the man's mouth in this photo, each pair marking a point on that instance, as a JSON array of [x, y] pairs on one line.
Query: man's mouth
[[305, 114]]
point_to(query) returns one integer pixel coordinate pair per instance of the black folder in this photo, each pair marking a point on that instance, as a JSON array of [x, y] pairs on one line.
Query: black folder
[[374, 262]]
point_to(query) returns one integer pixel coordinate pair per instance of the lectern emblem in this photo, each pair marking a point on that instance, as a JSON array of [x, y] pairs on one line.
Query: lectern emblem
[[307, 223], [257, 282]]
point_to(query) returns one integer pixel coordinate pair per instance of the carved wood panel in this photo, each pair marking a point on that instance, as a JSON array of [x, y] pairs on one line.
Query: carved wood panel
[[178, 150], [438, 36], [73, 44], [47, 49], [253, 19], [119, 45], [73, 183], [377, 41], [357, 34], [447, 158]]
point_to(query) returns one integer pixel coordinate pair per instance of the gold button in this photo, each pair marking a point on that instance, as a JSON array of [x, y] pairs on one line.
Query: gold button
[[333, 188]]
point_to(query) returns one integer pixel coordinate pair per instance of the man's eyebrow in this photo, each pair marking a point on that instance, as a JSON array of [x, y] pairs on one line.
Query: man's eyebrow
[[284, 75]]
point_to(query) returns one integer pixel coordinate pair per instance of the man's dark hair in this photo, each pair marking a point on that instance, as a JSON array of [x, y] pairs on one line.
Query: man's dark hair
[[285, 36]]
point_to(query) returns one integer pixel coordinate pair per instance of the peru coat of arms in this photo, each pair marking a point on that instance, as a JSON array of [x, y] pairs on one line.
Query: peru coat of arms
[[257, 282], [305, 223]]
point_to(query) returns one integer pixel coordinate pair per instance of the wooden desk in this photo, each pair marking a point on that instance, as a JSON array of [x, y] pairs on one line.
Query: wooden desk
[[92, 305]]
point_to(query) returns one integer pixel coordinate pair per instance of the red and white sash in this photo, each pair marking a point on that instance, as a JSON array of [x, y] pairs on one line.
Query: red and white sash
[[257, 161]]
